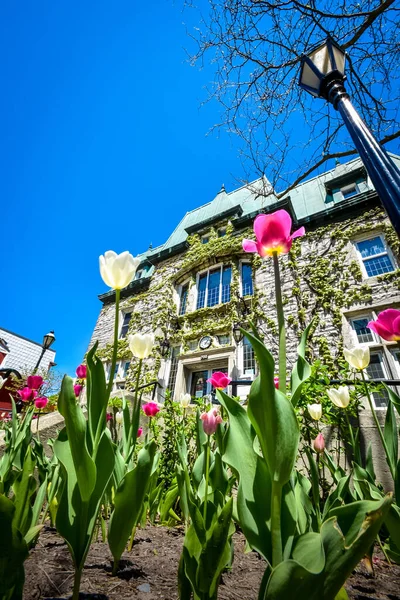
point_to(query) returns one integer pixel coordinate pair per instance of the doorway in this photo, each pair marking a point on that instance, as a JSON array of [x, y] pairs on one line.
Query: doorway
[[199, 385]]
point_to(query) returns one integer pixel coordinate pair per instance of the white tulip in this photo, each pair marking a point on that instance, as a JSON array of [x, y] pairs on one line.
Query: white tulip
[[358, 357], [340, 397], [141, 345], [315, 411], [185, 400], [119, 417], [118, 270]]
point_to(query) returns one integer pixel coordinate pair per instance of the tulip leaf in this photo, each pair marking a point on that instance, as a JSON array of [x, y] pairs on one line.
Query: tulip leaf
[[273, 418], [391, 437], [301, 370], [96, 392], [13, 552], [24, 488], [254, 490], [343, 540], [128, 501], [75, 424]]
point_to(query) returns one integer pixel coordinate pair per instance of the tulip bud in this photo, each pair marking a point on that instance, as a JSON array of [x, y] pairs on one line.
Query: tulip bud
[[185, 400], [339, 397], [81, 372], [141, 345], [34, 382], [319, 443], [41, 402], [139, 432], [119, 417], [77, 389], [358, 357], [27, 394], [219, 380], [151, 409], [211, 420], [118, 270], [109, 417], [315, 411], [276, 382]]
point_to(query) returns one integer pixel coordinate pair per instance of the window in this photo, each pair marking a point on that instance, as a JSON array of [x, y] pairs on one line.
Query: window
[[362, 333], [115, 371], [247, 281], [183, 300], [139, 274], [349, 190], [174, 369], [396, 358], [214, 287], [205, 239], [126, 367], [193, 345], [224, 340], [221, 232], [374, 256], [125, 325], [249, 362], [376, 370]]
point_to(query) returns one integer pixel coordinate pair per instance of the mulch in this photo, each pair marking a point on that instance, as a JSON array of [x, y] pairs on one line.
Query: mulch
[[149, 572]]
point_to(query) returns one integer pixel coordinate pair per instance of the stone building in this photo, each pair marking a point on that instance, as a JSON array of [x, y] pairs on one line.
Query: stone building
[[197, 285]]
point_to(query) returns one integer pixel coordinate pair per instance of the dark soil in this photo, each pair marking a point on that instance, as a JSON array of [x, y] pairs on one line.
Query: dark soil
[[150, 571]]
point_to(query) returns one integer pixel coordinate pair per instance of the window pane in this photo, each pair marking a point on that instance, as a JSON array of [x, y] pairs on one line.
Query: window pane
[[199, 384], [174, 368], [193, 344], [221, 232], [201, 293], [125, 325], [364, 334], [247, 282], [371, 247], [226, 284], [249, 363], [204, 240], [126, 367], [349, 190], [378, 266], [224, 340], [214, 279], [375, 371], [184, 295]]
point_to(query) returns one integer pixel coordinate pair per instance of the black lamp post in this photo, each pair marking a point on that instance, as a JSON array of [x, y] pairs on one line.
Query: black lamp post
[[164, 347], [237, 333], [48, 340], [322, 75]]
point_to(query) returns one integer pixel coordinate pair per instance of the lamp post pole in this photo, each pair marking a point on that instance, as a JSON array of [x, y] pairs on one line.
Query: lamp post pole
[[48, 340], [323, 76]]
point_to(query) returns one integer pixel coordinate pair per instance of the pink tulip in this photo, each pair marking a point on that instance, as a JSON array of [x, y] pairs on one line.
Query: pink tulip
[[81, 371], [109, 417], [41, 402], [273, 234], [387, 325], [219, 380], [27, 394], [34, 382], [151, 409], [319, 443], [139, 432], [211, 419], [77, 389], [276, 382]]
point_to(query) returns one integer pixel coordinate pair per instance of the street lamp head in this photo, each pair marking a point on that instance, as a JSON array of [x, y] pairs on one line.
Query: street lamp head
[[237, 333], [48, 340], [164, 347], [321, 68]]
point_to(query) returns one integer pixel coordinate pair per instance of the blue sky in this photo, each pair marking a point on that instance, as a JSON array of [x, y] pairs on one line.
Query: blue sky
[[103, 146]]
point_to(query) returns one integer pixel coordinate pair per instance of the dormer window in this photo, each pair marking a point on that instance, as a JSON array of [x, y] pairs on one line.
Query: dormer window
[[205, 239], [125, 325], [348, 191], [140, 273], [222, 232]]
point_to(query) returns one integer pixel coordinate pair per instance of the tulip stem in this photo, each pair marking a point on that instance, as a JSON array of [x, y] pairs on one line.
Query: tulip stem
[[377, 424], [134, 418], [77, 583], [115, 347], [281, 325], [207, 476], [276, 535], [37, 426]]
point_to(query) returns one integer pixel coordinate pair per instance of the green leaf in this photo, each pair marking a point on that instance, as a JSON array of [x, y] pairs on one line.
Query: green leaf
[[254, 490], [13, 552], [201, 436], [273, 418], [75, 424], [301, 370], [215, 554], [96, 392], [314, 479], [343, 540], [129, 499], [32, 534], [393, 397], [24, 488], [369, 463]]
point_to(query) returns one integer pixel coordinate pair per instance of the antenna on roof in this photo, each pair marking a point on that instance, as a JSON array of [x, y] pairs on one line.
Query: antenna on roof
[[337, 162], [150, 246], [222, 189]]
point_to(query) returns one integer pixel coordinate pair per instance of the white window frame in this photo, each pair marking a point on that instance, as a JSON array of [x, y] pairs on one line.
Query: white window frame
[[385, 369], [371, 316], [346, 187], [396, 361], [241, 263], [179, 290], [200, 273], [388, 251]]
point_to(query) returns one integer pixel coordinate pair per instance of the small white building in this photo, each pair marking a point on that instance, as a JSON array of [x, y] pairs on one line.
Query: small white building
[[20, 353]]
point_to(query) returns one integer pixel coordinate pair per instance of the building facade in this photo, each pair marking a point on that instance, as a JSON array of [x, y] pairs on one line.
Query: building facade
[[21, 354], [198, 285]]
